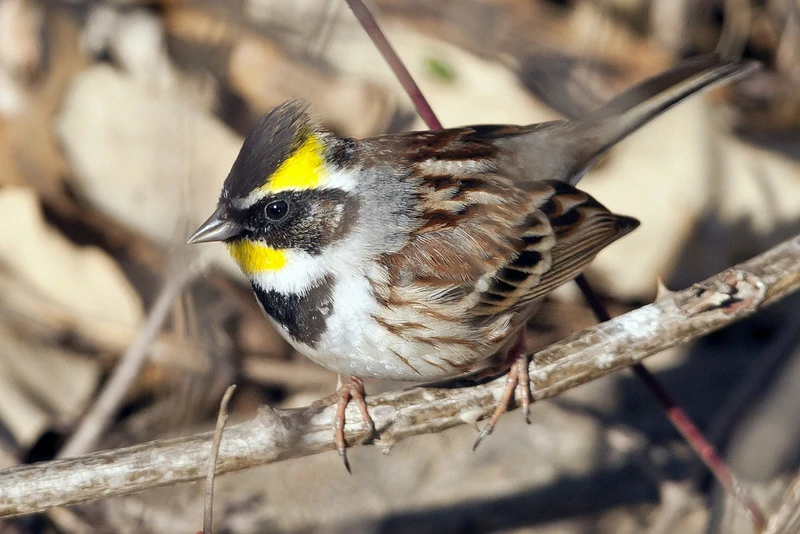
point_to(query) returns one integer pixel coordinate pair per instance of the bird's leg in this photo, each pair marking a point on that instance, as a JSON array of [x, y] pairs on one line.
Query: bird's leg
[[352, 388], [517, 378]]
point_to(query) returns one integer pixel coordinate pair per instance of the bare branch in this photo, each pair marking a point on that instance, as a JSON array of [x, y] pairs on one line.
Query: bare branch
[[276, 435]]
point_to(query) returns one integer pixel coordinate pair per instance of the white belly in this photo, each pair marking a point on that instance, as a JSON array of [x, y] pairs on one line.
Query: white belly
[[355, 343]]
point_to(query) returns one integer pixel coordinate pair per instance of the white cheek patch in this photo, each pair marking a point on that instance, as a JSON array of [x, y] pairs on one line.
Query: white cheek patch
[[301, 272]]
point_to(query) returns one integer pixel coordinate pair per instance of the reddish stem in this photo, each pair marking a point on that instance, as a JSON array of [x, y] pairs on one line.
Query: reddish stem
[[702, 447], [399, 69], [681, 421]]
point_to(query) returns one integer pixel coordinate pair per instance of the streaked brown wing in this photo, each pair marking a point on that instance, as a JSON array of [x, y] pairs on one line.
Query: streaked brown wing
[[462, 235], [488, 246], [578, 227], [488, 243]]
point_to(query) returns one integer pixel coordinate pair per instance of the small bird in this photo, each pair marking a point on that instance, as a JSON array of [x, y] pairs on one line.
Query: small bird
[[420, 256]]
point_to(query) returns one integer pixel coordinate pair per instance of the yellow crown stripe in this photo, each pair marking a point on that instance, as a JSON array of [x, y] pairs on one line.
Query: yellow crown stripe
[[302, 170], [253, 257]]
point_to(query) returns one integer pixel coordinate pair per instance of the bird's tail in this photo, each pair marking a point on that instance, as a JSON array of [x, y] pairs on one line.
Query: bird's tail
[[564, 150], [630, 110], [627, 112]]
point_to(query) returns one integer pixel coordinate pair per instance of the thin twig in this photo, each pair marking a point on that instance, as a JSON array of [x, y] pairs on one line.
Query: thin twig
[[97, 419], [399, 69], [222, 418], [276, 435]]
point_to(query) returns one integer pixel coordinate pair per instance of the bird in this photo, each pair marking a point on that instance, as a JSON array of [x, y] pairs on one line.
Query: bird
[[420, 256]]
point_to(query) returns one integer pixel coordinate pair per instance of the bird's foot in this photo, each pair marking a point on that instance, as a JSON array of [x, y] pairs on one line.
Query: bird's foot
[[517, 377], [352, 388]]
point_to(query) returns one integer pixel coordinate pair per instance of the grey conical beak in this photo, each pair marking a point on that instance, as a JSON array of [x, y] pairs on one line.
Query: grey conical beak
[[216, 228]]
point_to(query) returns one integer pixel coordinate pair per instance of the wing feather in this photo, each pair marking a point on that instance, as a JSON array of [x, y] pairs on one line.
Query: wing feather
[[487, 245], [580, 227]]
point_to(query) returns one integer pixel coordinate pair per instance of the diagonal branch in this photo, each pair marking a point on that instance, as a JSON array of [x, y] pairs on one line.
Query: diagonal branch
[[276, 435]]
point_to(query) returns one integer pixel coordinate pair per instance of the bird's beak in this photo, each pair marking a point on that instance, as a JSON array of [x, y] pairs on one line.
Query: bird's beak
[[216, 228]]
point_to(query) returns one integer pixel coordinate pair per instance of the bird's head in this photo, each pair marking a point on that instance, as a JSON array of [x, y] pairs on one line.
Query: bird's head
[[287, 197]]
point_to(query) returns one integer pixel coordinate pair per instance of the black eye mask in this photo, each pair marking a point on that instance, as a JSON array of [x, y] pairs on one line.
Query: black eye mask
[[308, 220]]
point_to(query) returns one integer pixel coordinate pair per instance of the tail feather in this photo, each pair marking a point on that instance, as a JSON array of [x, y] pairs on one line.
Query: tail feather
[[564, 150], [630, 110]]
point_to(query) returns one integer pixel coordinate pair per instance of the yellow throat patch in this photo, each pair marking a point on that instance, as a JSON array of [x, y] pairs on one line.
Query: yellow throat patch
[[253, 257], [304, 169]]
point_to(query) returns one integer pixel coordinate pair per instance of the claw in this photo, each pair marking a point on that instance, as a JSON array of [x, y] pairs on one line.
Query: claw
[[485, 432], [344, 396], [517, 377], [351, 389], [343, 454]]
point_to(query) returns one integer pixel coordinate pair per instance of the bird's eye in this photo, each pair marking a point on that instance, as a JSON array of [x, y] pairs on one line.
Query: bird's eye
[[276, 210]]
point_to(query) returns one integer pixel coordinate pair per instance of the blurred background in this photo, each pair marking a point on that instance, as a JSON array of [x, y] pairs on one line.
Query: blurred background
[[120, 119]]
